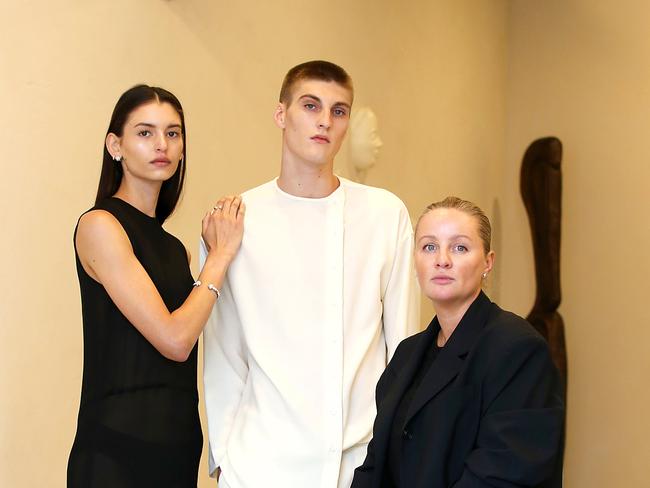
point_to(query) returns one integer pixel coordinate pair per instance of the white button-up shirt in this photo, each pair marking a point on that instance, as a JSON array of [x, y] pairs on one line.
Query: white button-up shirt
[[316, 301]]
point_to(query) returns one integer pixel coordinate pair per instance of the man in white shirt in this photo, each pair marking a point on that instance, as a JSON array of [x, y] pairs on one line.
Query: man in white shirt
[[313, 306]]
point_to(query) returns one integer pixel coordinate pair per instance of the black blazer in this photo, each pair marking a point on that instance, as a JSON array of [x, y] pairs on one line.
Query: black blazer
[[488, 413]]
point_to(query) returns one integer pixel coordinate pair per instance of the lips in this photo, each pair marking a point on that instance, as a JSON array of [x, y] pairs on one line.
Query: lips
[[320, 139], [160, 162], [442, 279]]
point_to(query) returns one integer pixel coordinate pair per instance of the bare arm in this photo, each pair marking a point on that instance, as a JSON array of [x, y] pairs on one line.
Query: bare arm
[[107, 256]]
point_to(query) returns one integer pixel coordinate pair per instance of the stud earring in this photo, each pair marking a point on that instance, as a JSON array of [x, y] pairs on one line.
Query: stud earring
[[484, 275], [117, 159]]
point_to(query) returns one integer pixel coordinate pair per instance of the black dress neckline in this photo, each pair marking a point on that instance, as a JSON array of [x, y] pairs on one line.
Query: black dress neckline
[[134, 208]]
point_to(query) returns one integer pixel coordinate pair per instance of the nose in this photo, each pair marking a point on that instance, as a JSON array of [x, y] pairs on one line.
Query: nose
[[442, 259], [324, 120], [161, 142]]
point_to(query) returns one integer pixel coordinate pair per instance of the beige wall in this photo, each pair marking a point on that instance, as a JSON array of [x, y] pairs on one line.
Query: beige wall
[[580, 70], [433, 71], [460, 89]]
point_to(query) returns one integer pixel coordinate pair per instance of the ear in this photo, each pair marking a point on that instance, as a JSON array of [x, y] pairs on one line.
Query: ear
[[489, 262], [113, 145], [280, 114]]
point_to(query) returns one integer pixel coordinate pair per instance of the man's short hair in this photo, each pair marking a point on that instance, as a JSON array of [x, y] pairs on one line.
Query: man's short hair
[[314, 70]]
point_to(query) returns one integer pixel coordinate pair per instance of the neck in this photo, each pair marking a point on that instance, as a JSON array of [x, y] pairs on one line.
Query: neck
[[143, 197], [449, 316], [307, 180]]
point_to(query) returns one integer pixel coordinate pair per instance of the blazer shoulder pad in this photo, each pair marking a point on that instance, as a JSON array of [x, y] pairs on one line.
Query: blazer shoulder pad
[[507, 328]]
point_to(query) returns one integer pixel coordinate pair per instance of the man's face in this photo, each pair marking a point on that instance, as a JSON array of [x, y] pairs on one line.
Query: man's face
[[314, 122]]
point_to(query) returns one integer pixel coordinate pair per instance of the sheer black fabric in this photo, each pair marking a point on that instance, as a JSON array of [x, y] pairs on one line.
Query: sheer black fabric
[[138, 423]]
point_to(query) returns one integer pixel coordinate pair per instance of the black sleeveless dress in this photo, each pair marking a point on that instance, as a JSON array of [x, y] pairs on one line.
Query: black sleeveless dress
[[138, 422]]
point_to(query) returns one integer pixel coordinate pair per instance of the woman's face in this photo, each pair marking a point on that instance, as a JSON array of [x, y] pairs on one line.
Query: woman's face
[[151, 144], [449, 257]]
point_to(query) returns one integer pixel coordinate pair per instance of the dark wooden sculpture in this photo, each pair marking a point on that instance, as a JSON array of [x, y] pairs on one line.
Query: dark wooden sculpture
[[541, 190]]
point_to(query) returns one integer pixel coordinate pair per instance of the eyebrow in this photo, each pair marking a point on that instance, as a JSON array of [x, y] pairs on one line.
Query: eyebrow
[[457, 236], [153, 126], [314, 97]]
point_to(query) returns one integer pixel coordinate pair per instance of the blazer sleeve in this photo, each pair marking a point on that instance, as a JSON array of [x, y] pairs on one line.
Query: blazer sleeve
[[521, 427], [401, 307], [225, 369]]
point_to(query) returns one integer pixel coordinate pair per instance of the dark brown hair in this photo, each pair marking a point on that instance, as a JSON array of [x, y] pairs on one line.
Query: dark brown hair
[[314, 70]]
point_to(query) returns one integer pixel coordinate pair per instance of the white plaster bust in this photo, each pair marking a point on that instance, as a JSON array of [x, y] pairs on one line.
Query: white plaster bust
[[363, 144]]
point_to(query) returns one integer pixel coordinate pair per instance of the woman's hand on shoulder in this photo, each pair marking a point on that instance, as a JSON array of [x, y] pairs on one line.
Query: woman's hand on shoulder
[[223, 227]]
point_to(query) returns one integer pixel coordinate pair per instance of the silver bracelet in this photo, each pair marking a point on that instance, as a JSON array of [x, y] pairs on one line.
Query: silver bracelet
[[211, 287]]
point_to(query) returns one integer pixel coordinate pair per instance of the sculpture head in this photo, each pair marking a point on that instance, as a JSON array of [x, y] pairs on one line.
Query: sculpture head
[[364, 141]]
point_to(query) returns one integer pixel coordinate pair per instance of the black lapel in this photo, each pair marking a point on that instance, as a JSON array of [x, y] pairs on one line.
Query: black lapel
[[451, 357], [409, 365]]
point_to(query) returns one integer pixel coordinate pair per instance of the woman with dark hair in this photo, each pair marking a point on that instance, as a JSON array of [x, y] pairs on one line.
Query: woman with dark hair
[[138, 421], [474, 400]]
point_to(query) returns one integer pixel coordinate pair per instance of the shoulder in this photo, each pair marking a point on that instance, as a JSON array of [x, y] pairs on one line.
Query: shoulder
[[378, 208], [259, 192], [97, 219], [109, 212], [509, 342], [373, 195], [262, 206], [513, 362], [507, 328], [407, 346], [98, 226]]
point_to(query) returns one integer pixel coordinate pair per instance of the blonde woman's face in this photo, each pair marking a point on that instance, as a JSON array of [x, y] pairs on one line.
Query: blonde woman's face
[[449, 257]]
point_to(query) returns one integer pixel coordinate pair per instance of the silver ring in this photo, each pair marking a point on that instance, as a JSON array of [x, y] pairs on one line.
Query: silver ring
[[217, 208]]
